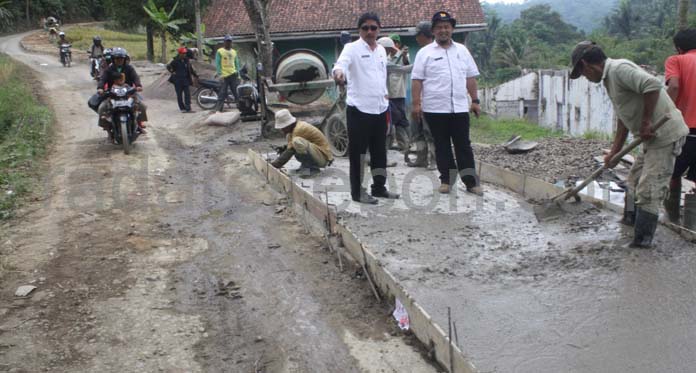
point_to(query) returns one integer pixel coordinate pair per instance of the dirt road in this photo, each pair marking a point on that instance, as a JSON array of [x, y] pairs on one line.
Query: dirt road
[[176, 258]]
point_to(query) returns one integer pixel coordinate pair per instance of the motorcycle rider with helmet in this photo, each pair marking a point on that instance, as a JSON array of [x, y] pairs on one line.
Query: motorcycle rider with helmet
[[95, 51], [62, 40], [119, 65]]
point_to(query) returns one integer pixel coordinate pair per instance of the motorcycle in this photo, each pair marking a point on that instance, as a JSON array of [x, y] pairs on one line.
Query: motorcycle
[[207, 94], [96, 64], [65, 54], [248, 96], [124, 127]]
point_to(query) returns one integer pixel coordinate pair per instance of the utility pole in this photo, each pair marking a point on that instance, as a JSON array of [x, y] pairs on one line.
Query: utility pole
[[199, 36], [683, 15]]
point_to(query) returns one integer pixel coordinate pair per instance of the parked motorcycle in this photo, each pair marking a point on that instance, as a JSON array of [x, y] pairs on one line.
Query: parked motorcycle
[[248, 96], [66, 54], [124, 126], [207, 94]]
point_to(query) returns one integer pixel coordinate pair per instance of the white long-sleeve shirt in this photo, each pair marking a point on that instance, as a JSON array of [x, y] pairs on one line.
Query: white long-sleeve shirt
[[366, 72], [444, 73]]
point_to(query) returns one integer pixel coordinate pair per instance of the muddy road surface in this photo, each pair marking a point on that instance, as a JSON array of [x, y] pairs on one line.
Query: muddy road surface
[[176, 258]]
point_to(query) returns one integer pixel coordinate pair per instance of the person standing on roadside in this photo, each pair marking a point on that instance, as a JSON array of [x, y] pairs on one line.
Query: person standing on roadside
[[227, 66], [442, 75], [639, 102], [182, 77], [680, 75], [397, 71], [421, 138], [362, 65]]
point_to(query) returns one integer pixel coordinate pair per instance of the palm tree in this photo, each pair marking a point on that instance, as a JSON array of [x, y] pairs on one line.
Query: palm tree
[[683, 19], [162, 20]]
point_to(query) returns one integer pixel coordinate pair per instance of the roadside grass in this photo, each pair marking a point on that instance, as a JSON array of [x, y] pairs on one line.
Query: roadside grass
[[135, 44], [486, 130], [24, 134]]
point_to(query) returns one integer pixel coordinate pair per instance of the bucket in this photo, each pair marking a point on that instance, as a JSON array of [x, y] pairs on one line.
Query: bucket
[[690, 211]]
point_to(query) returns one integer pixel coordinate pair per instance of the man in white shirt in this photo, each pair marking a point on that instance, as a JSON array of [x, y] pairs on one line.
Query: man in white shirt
[[442, 75], [363, 66]]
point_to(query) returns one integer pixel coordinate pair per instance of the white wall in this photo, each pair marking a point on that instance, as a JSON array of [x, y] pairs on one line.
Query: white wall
[[572, 106]]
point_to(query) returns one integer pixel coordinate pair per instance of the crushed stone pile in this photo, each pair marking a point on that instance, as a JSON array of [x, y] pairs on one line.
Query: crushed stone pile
[[555, 159]]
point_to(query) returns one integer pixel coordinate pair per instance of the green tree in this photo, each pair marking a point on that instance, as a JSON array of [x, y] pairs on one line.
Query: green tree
[[6, 16], [623, 20], [545, 24], [482, 43], [163, 22]]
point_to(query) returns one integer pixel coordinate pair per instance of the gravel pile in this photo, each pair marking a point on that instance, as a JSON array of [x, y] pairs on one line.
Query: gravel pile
[[553, 160]]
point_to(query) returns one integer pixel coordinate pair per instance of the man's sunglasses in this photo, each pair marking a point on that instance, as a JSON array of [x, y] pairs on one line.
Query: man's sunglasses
[[369, 28]]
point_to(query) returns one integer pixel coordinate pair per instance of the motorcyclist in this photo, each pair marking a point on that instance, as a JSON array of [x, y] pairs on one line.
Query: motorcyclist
[[95, 51], [62, 40], [106, 62], [119, 66]]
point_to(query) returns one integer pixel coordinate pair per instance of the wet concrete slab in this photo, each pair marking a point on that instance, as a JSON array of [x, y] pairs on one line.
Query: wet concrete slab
[[560, 296]]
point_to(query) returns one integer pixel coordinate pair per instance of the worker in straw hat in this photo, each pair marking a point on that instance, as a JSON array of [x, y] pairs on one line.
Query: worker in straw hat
[[309, 146]]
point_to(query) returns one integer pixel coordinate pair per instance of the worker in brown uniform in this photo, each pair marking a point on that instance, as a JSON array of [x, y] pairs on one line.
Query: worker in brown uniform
[[305, 142]]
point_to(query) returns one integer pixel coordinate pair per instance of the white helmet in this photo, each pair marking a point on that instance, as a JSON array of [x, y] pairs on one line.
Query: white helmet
[[61, 33], [386, 42]]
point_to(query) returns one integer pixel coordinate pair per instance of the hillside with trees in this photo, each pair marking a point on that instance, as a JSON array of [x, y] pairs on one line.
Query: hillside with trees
[[639, 30]]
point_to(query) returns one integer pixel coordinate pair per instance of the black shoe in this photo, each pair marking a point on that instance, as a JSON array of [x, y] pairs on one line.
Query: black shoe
[[383, 193], [365, 198], [644, 231]]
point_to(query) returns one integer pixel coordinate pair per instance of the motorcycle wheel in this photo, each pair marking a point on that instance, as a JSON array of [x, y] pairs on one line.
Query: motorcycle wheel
[[205, 100], [69, 60], [125, 141]]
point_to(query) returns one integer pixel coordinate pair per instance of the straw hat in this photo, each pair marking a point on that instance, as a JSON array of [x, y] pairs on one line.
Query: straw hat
[[283, 118]]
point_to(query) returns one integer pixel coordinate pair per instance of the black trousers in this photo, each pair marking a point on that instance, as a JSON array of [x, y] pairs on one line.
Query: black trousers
[[183, 95], [228, 82], [448, 129], [366, 131], [686, 161]]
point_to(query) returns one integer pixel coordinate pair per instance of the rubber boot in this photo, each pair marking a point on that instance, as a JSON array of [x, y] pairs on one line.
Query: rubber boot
[[421, 152], [672, 202], [629, 213], [644, 230], [432, 161]]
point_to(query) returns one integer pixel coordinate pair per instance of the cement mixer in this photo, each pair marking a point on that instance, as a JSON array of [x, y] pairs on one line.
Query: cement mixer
[[301, 76]]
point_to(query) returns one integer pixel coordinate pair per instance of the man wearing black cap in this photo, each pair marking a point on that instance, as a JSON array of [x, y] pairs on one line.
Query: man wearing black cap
[[363, 66], [442, 75], [227, 66], [639, 101]]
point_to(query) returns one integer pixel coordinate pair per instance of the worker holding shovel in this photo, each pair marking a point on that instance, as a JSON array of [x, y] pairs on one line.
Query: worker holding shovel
[[639, 101]]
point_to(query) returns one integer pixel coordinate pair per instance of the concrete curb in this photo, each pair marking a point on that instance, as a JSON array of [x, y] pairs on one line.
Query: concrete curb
[[422, 325], [537, 189]]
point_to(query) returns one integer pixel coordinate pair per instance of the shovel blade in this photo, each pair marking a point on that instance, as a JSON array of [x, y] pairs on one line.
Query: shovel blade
[[552, 210]]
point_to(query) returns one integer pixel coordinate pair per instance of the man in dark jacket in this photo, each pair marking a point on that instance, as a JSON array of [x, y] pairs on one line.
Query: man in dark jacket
[[119, 65], [182, 77]]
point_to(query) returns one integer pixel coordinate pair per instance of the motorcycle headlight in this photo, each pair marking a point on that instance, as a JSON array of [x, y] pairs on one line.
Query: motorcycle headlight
[[120, 91]]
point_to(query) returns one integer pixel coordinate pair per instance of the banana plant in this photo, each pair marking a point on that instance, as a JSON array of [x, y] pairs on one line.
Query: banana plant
[[163, 22]]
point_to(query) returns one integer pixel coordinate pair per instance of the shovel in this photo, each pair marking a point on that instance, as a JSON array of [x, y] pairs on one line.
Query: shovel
[[554, 207]]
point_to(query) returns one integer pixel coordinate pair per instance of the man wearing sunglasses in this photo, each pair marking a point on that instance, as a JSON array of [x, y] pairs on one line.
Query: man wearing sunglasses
[[362, 65], [639, 102]]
